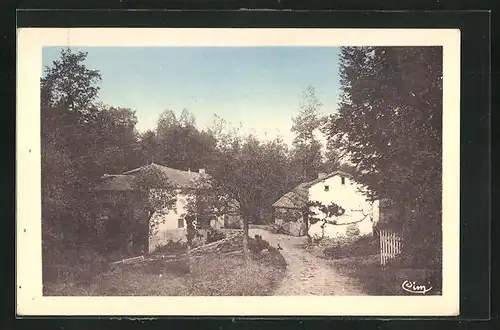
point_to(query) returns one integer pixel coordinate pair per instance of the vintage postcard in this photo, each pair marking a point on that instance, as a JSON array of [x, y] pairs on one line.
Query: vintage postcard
[[238, 172]]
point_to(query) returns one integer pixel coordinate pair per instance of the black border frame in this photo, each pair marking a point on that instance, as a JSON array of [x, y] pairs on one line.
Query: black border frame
[[475, 103]]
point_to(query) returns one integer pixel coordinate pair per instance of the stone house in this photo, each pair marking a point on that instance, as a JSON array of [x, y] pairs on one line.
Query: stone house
[[170, 224]]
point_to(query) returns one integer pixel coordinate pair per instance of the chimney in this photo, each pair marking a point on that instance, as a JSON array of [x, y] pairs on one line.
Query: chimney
[[201, 170], [321, 175]]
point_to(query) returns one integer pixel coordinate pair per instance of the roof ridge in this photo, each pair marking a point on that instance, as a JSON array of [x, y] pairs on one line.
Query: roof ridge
[[329, 175], [171, 168]]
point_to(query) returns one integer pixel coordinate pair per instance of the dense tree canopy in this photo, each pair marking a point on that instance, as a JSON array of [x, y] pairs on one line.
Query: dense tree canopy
[[81, 140], [390, 125], [252, 172], [181, 144]]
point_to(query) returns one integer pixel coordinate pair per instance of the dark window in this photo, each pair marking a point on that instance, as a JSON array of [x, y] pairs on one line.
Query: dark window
[[327, 188], [342, 180], [180, 223]]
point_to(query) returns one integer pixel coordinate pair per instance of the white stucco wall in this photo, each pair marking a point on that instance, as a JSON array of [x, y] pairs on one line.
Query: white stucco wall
[[376, 211], [168, 228], [347, 196]]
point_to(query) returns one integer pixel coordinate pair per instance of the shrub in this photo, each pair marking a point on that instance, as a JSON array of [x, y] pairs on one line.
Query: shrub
[[233, 225], [346, 247], [172, 247], [257, 244]]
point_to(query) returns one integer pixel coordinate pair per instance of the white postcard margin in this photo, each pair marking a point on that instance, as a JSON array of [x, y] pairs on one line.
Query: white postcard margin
[[29, 298]]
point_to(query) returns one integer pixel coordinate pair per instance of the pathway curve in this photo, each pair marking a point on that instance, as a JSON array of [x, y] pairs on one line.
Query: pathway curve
[[306, 273]]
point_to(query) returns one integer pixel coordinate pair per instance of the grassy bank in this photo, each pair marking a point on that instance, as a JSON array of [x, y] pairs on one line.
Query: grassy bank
[[211, 274], [359, 259]]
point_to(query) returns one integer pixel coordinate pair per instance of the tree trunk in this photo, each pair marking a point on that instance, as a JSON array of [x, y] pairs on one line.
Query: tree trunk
[[190, 259], [130, 244], [246, 250]]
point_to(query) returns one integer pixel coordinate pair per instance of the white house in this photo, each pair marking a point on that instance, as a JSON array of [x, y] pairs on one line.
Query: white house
[[171, 224], [337, 187]]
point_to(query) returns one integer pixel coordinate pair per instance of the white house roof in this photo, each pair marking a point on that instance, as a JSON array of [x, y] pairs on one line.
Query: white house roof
[[294, 199], [127, 181], [179, 178], [298, 197], [116, 183], [334, 173]]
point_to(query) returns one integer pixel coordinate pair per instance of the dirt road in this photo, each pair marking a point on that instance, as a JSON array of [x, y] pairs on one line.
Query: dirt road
[[307, 274]]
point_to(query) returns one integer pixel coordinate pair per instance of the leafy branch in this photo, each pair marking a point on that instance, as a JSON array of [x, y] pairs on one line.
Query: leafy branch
[[314, 209]]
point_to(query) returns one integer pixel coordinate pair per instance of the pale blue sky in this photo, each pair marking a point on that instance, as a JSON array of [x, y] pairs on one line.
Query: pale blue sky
[[259, 87]]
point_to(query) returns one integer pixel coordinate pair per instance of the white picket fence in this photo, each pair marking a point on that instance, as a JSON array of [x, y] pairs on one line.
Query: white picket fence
[[390, 245]]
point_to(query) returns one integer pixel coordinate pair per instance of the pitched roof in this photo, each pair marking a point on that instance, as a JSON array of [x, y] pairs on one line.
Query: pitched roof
[[313, 182], [296, 198], [179, 178], [116, 183]]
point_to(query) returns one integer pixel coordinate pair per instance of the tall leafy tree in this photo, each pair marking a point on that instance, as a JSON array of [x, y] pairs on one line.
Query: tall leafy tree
[[81, 140], [307, 155], [115, 140], [166, 120], [181, 144], [70, 83], [187, 119], [148, 147], [390, 125], [249, 172], [277, 174]]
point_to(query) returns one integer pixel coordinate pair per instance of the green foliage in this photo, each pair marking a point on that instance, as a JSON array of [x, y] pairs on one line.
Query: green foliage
[[288, 215], [390, 125], [250, 172], [162, 195], [179, 144], [306, 155], [68, 83], [316, 211], [147, 147], [191, 230], [258, 244], [115, 140], [172, 247], [81, 140], [389, 119], [308, 119], [349, 247]]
